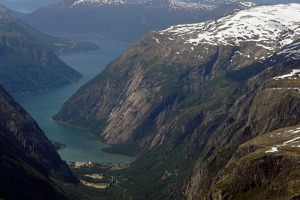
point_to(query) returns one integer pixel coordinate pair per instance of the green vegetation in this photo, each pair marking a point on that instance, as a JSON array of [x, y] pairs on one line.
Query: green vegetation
[[127, 148], [252, 194], [105, 175]]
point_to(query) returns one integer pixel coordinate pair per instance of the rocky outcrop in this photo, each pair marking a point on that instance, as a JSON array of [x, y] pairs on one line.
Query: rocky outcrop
[[264, 167]]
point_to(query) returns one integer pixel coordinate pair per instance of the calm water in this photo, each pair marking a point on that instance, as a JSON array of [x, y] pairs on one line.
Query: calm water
[[81, 146]]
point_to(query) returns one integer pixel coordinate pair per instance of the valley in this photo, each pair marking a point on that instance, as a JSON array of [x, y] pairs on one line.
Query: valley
[[80, 145], [185, 98], [203, 109]]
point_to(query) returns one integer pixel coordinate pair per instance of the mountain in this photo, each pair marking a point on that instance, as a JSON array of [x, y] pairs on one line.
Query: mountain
[[28, 6], [267, 105], [25, 63], [29, 163], [150, 71], [193, 102], [56, 44], [123, 20]]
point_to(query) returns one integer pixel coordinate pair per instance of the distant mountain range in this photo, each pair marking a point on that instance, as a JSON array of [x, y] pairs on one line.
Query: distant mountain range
[[211, 109], [28, 6], [123, 20]]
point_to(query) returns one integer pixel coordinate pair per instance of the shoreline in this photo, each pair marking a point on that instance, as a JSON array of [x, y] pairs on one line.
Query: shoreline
[[99, 138], [82, 128], [85, 129], [58, 146]]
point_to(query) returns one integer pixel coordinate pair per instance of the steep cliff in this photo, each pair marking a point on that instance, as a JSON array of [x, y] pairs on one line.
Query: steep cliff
[[28, 163], [266, 102], [185, 98], [23, 177], [18, 126], [25, 64]]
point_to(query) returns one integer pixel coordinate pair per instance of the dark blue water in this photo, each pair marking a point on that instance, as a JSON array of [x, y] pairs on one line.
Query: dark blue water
[[81, 146]]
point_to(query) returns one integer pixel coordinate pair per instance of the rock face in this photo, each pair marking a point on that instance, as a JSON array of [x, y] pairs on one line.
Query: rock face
[[24, 177], [28, 160], [18, 126], [185, 104], [123, 20], [265, 104], [25, 64]]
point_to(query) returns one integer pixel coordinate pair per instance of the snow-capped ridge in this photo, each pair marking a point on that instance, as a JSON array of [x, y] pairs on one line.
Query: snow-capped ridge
[[99, 2], [189, 5], [263, 25], [166, 4], [178, 4]]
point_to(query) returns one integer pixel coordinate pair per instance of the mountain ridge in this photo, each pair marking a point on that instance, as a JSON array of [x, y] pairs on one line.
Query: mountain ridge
[[171, 50]]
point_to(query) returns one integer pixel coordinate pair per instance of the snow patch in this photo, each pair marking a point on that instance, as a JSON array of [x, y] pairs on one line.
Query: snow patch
[[270, 27], [157, 40], [293, 73], [289, 143], [248, 4], [292, 51], [272, 150], [99, 2], [292, 140], [175, 4]]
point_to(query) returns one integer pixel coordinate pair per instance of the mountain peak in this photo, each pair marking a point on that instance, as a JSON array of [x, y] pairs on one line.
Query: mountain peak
[[263, 25]]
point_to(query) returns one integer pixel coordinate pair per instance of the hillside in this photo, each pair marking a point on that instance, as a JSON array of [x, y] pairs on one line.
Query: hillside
[[28, 161], [123, 20], [265, 167], [184, 99], [56, 44], [26, 64]]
